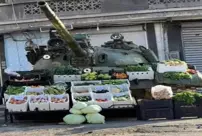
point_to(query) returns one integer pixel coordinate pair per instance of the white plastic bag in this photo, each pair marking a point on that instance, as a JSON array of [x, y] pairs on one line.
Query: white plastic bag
[[11, 72], [75, 111], [161, 92], [91, 109], [80, 105], [72, 119], [95, 118]]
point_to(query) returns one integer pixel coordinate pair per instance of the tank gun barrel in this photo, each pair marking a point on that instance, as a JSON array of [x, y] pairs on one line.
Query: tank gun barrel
[[61, 29]]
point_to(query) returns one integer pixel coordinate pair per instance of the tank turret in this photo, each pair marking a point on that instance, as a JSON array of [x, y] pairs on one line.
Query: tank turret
[[61, 29], [76, 50]]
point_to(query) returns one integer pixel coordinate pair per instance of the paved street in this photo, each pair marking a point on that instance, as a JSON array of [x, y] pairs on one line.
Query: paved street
[[118, 127]]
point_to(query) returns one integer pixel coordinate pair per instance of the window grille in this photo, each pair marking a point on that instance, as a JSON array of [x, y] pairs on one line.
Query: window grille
[[65, 6]]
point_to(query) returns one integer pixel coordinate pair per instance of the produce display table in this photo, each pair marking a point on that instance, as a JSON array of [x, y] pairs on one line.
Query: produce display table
[[57, 115], [36, 115], [112, 92]]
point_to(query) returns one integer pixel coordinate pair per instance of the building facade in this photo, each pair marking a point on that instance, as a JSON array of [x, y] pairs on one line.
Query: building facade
[[171, 28]]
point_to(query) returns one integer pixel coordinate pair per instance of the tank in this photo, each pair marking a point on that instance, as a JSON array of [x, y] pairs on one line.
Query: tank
[[63, 48], [66, 49]]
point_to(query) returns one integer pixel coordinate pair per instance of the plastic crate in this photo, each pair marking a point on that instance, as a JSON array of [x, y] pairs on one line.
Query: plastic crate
[[6, 96], [34, 89], [107, 96], [162, 68], [85, 83], [141, 75], [100, 88], [80, 89], [149, 109], [39, 106], [183, 110], [59, 106], [17, 107], [122, 103], [73, 95], [66, 78], [123, 88]]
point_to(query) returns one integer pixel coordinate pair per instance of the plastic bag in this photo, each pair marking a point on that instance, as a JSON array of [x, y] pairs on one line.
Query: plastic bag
[[161, 92], [80, 105], [72, 119], [95, 118], [75, 111], [11, 72], [91, 109]]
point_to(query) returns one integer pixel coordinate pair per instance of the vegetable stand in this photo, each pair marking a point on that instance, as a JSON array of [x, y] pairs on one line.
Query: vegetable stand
[[111, 91], [36, 94]]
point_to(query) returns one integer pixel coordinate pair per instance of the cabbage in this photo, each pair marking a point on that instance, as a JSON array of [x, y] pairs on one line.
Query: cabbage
[[80, 105], [75, 111], [91, 109], [95, 118], [72, 119]]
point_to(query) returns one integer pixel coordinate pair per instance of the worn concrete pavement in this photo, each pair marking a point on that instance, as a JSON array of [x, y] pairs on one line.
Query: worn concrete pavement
[[115, 127]]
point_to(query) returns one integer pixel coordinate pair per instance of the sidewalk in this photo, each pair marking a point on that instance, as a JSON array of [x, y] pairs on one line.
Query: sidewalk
[[115, 127]]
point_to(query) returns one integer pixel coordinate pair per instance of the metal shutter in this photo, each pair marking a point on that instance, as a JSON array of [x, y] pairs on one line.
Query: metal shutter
[[192, 45]]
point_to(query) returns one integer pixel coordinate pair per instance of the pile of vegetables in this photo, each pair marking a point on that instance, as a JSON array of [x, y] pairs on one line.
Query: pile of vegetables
[[13, 90], [65, 70], [34, 93], [101, 100], [95, 76], [191, 71], [177, 75], [137, 68], [82, 91], [119, 89], [120, 75], [39, 99], [83, 98], [15, 100], [56, 99], [188, 98], [114, 82], [101, 91], [86, 84], [104, 76], [174, 62], [89, 76], [54, 90], [121, 98], [80, 108]]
